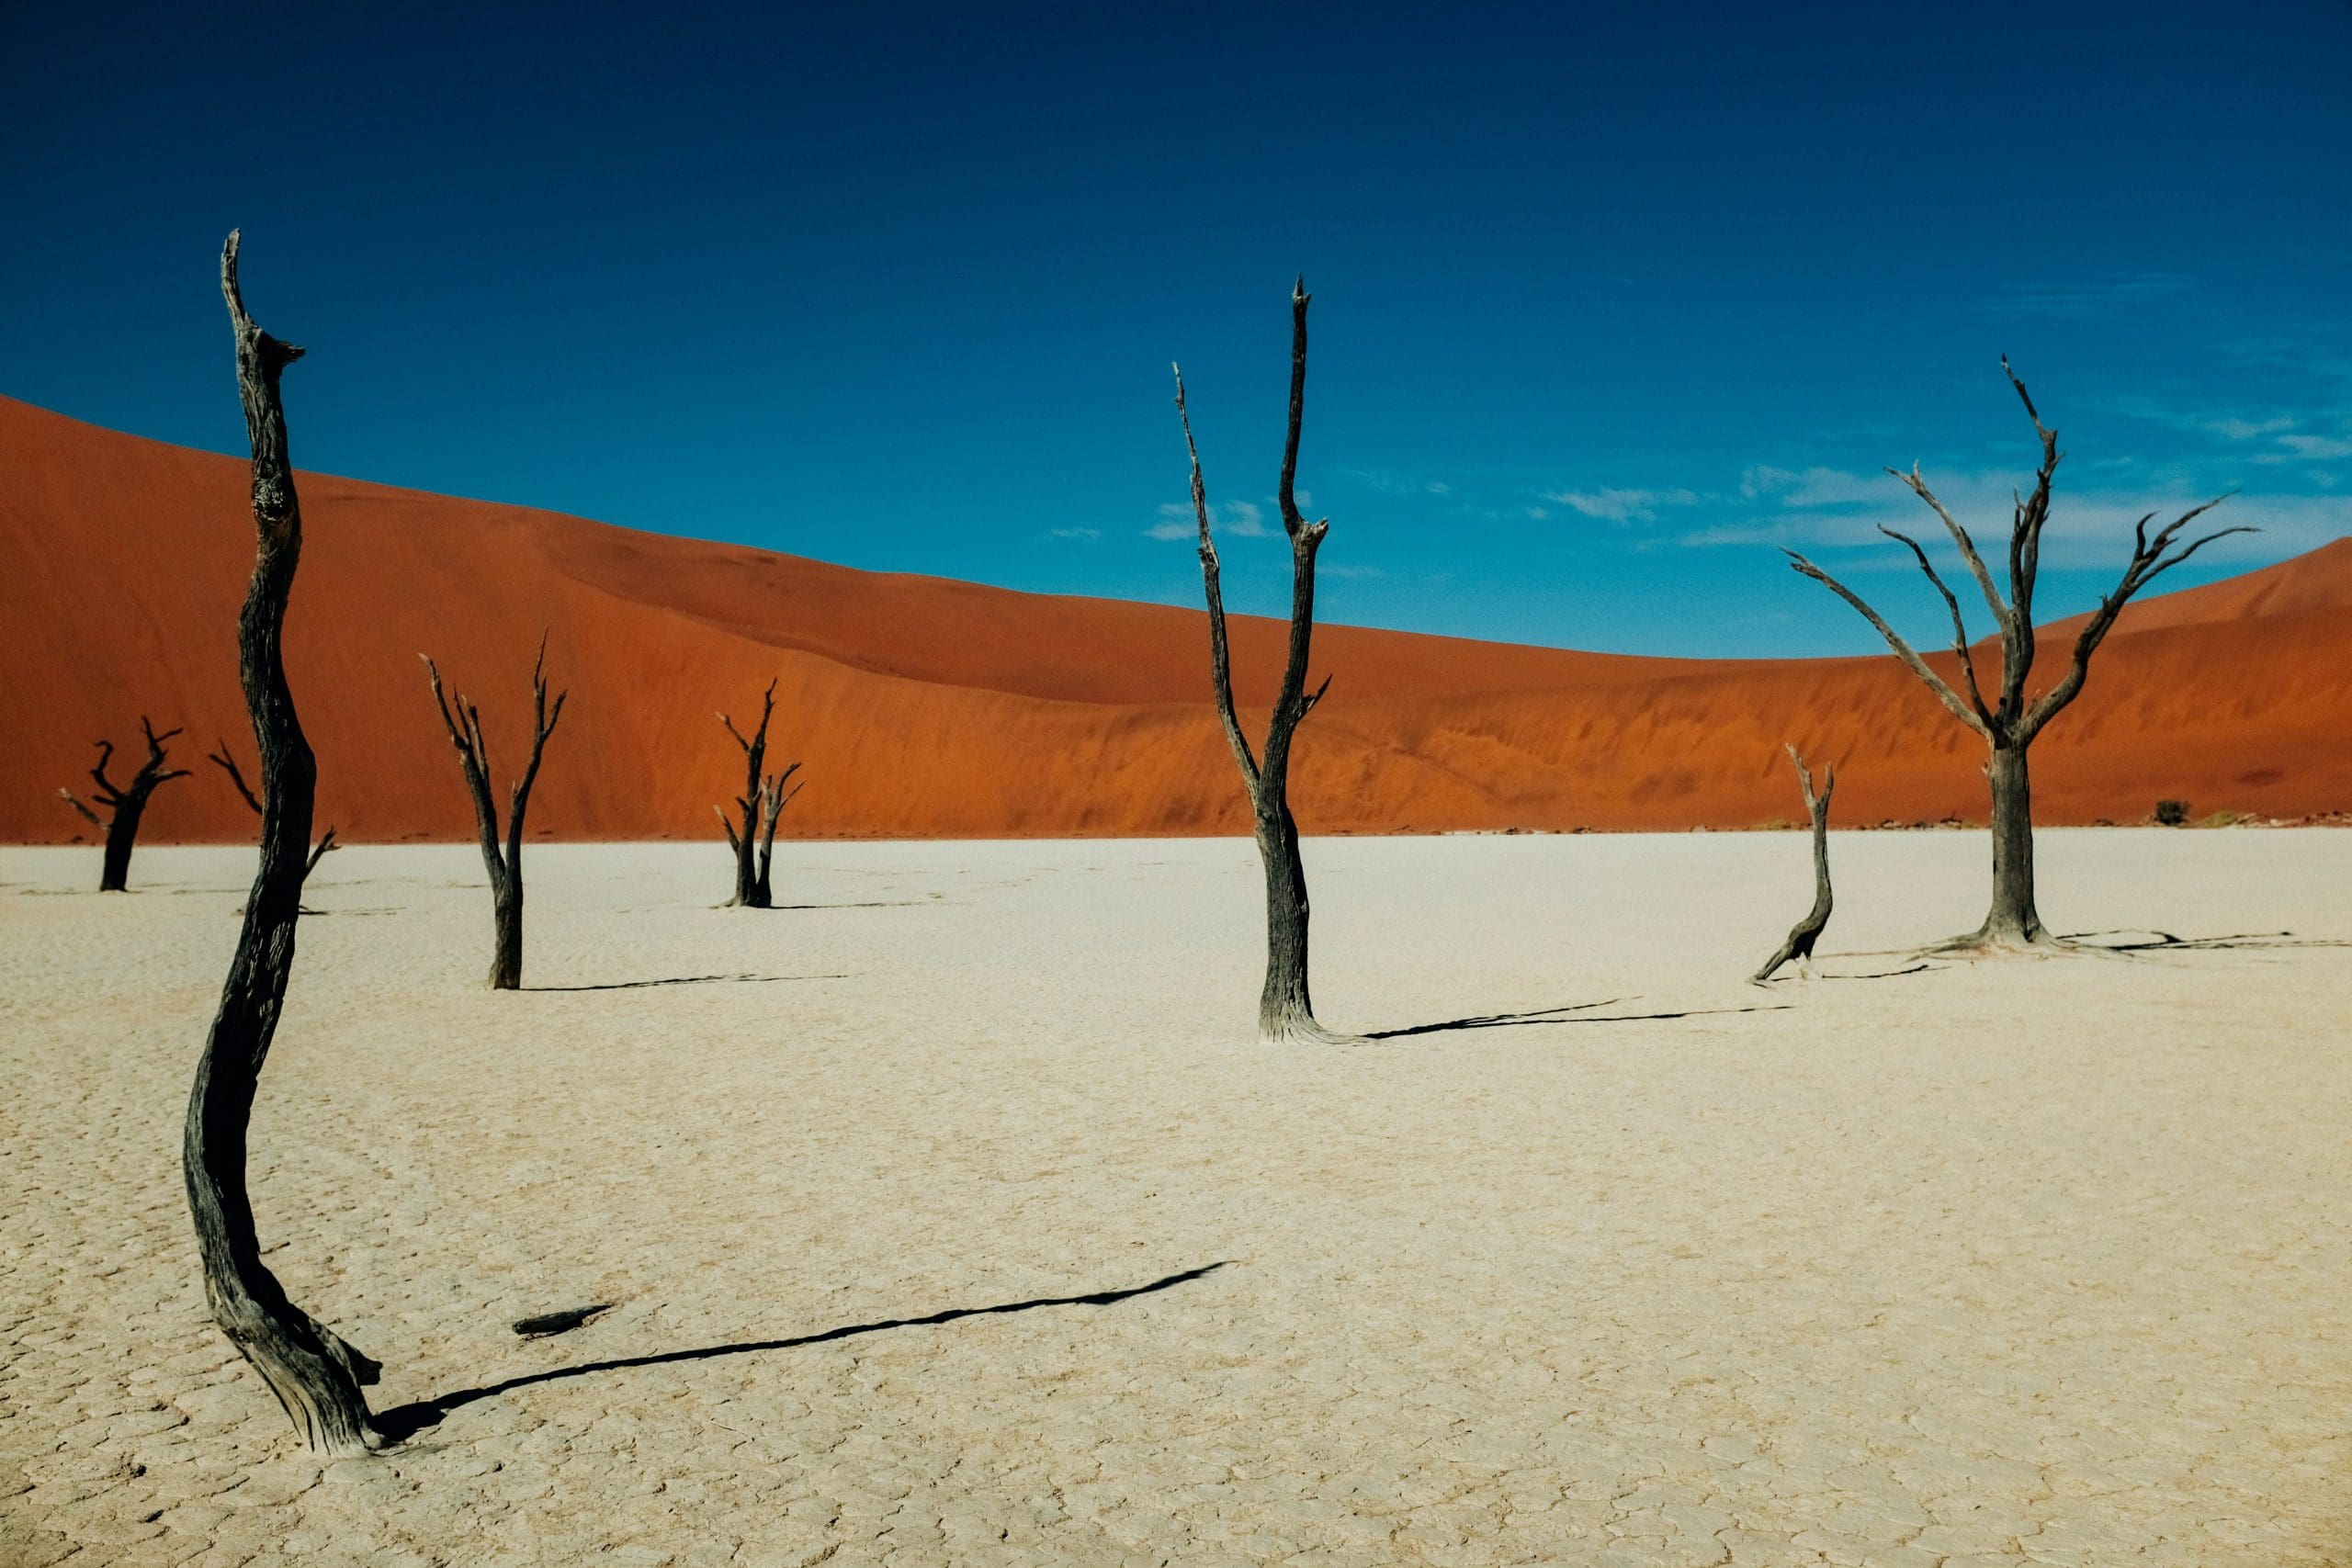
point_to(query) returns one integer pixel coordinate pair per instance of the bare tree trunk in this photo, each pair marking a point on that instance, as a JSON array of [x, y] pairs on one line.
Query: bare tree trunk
[[114, 873], [126, 804], [2013, 920], [1807, 931], [463, 721], [2010, 724], [773, 799], [763, 800], [506, 945], [1286, 1012], [316, 1374]]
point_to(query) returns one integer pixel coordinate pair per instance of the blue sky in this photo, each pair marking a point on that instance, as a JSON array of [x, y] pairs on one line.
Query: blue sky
[[1609, 300]]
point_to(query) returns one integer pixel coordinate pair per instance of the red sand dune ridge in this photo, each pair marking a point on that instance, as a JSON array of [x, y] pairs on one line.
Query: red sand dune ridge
[[923, 707]]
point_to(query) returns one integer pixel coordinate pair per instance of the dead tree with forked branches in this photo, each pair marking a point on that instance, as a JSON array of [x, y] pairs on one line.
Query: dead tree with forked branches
[[463, 721], [1806, 931], [226, 760], [1286, 1012], [761, 801], [316, 1374], [2009, 726], [125, 804]]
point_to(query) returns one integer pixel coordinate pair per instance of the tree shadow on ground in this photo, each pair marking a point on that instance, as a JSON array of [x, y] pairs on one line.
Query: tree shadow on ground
[[2152, 941], [1557, 1015], [404, 1421], [1785, 978], [686, 980]]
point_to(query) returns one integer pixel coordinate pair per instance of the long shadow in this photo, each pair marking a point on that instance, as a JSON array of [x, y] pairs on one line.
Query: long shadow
[[2155, 940], [1553, 1015], [869, 904], [1919, 968], [686, 980], [406, 1420]]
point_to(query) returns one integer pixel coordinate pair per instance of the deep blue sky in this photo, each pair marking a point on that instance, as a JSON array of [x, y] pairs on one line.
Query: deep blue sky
[[1608, 299]]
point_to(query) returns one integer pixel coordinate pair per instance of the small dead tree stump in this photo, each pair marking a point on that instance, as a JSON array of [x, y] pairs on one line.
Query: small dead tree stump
[[463, 721], [1286, 1010], [125, 804], [761, 801], [316, 1375], [1807, 931]]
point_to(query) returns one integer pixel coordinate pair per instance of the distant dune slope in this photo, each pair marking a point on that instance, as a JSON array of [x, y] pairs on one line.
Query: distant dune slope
[[929, 708]]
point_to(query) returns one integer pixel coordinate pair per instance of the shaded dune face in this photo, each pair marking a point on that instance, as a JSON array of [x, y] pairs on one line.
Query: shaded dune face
[[923, 707]]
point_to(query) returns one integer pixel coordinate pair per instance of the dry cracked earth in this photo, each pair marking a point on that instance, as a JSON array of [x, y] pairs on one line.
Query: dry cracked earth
[[954, 1217]]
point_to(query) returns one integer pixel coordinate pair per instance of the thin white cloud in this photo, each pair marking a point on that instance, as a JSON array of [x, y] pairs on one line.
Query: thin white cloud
[[1077, 536], [2086, 529], [1235, 519], [1612, 505], [2087, 297], [1386, 482], [2245, 429]]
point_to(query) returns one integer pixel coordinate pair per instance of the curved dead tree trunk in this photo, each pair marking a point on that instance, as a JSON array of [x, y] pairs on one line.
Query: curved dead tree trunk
[[316, 1376], [2010, 725], [1286, 1010], [125, 804], [761, 801], [463, 721], [226, 760], [1806, 931]]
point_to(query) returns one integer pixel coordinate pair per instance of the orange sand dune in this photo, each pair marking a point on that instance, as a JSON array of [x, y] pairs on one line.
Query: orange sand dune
[[929, 708]]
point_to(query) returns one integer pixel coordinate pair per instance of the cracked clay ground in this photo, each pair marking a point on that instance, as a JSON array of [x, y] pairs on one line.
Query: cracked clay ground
[[2037, 1261]]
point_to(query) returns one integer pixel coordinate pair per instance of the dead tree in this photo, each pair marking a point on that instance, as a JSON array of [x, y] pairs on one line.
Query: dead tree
[[463, 721], [2009, 726], [227, 762], [125, 804], [316, 1374], [1807, 931], [761, 801], [1286, 1012]]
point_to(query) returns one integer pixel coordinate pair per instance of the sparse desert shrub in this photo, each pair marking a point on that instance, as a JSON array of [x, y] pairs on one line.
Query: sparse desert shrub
[[2171, 813]]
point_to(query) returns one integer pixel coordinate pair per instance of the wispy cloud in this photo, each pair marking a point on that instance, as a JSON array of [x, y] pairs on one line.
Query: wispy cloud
[[1386, 482], [1832, 510], [2087, 297], [1235, 519], [1621, 505], [2318, 446], [1074, 536]]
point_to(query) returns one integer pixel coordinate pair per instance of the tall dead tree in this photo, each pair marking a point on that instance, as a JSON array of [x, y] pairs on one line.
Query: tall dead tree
[[2011, 725], [1286, 1012], [761, 801], [316, 1374], [1806, 931], [125, 804], [463, 721], [226, 760]]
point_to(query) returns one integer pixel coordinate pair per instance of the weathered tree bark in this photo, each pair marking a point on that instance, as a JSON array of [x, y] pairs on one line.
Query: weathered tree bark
[[463, 721], [316, 1374], [227, 762], [1286, 1010], [2009, 726], [1807, 931], [125, 804], [761, 801]]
